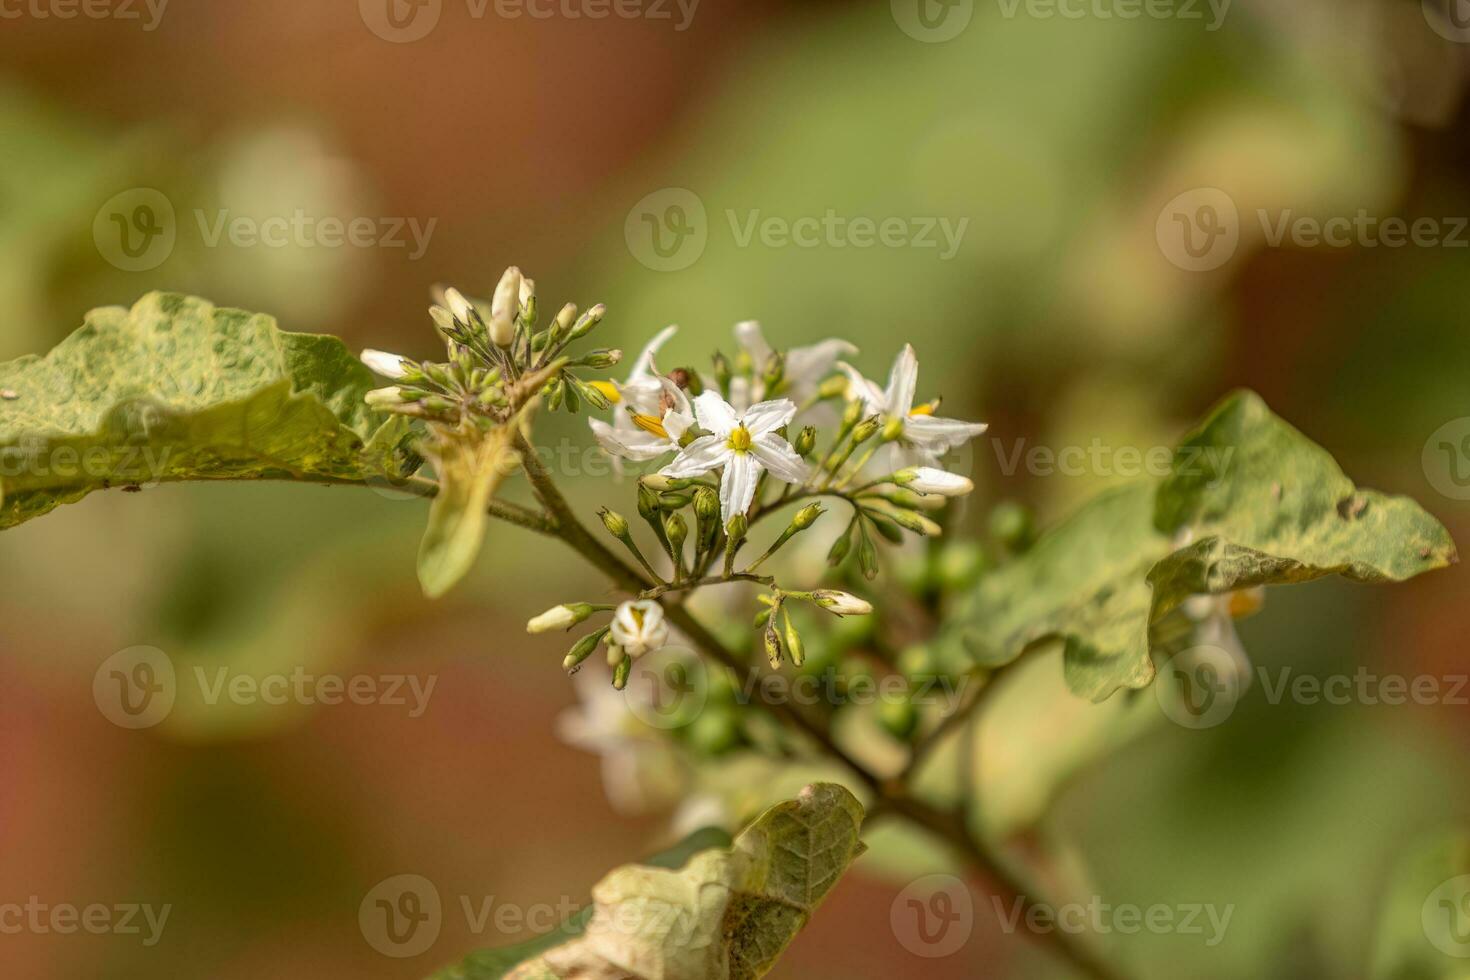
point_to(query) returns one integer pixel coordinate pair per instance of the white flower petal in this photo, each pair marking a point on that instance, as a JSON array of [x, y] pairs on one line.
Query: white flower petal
[[643, 366], [737, 486], [898, 397], [384, 363], [677, 423], [748, 335], [929, 479], [806, 366], [779, 459], [700, 456], [630, 443], [933, 434], [715, 414], [860, 388], [768, 416]]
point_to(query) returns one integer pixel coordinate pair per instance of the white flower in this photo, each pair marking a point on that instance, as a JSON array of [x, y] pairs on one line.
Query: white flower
[[641, 770], [745, 445], [927, 479], [924, 438], [805, 367], [841, 603], [639, 627], [650, 412], [388, 365]]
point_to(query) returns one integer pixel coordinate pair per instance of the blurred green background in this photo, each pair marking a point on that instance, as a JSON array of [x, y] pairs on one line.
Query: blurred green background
[[1054, 145]]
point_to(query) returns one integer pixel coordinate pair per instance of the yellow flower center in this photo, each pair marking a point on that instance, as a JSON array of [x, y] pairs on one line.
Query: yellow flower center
[[740, 439], [925, 409], [608, 389], [649, 423]]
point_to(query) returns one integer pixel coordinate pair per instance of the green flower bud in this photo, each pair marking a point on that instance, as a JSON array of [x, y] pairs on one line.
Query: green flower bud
[[865, 430], [722, 371], [675, 501], [842, 547], [852, 414], [621, 672], [677, 530], [806, 517], [582, 649], [772, 642], [615, 523], [833, 387], [913, 521], [806, 441], [793, 640], [736, 529], [588, 321], [774, 371], [600, 360]]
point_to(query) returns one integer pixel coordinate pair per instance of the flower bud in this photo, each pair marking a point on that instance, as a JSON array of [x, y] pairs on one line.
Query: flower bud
[[806, 441], [772, 642], [506, 303], [736, 529], [852, 414], [794, 645], [443, 321], [566, 318], [913, 521], [388, 365], [602, 359], [583, 648], [647, 503], [502, 331], [841, 603], [615, 523], [806, 517], [865, 430], [722, 371], [774, 371], [390, 397], [562, 617], [929, 479], [677, 530], [621, 672], [528, 301], [462, 309], [588, 321], [833, 387]]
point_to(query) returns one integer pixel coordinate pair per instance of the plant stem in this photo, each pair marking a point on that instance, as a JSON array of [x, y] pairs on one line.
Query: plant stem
[[889, 795]]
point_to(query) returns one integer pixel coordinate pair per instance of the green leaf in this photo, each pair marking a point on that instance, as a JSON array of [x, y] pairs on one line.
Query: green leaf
[[176, 389], [470, 470], [1249, 501], [725, 913], [1424, 933]]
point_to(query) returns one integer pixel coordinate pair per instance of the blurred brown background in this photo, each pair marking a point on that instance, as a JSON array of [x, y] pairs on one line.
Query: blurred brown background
[[1062, 316]]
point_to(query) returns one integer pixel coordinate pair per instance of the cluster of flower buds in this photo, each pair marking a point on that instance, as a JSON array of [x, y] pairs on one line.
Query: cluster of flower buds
[[499, 356]]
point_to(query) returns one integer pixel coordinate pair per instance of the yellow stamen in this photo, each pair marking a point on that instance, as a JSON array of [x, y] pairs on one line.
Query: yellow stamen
[[740, 439], [1246, 602], [608, 389], [649, 423], [927, 408]]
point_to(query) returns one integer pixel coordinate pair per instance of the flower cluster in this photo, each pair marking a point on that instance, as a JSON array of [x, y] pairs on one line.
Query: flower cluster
[[729, 449]]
